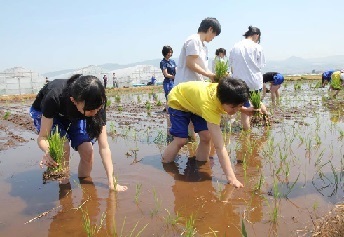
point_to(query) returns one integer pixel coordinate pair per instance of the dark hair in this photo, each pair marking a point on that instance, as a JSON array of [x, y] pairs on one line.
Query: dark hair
[[232, 91], [166, 49], [252, 31], [220, 50], [91, 90], [210, 22]]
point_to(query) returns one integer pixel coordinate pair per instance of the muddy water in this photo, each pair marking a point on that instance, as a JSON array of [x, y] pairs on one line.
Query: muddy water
[[292, 171]]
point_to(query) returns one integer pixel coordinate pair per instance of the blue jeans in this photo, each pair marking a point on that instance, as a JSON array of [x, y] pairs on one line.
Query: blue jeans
[[168, 87]]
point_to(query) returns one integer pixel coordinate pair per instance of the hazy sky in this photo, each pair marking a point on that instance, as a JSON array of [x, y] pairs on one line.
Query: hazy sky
[[46, 35]]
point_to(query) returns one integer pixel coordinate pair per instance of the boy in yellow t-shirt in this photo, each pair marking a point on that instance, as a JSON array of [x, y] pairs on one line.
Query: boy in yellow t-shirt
[[203, 103]]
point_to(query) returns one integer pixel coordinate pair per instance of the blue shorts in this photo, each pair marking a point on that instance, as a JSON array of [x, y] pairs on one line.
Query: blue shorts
[[74, 131], [278, 79], [168, 87], [247, 103], [180, 121]]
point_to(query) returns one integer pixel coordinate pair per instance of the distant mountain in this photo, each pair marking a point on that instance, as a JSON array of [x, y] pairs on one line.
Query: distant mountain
[[56, 73], [291, 65], [297, 65]]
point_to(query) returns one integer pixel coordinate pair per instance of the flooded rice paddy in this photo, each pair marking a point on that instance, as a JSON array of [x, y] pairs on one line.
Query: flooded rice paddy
[[292, 172]]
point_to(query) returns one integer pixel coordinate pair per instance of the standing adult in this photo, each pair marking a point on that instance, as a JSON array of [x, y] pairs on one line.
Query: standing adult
[[275, 79], [193, 58], [114, 81], [105, 79], [168, 68], [77, 107], [247, 59]]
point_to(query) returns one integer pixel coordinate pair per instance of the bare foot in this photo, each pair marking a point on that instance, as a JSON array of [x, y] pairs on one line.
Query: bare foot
[[120, 188]]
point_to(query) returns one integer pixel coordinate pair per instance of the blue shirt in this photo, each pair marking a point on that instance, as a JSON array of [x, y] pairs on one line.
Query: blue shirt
[[170, 65], [327, 75]]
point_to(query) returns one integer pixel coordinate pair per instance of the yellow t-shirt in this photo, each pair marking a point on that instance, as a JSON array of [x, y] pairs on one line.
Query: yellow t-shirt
[[199, 98], [335, 75]]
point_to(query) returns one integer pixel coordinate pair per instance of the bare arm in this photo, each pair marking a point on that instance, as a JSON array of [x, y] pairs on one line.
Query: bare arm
[[167, 75], [105, 154], [191, 63], [221, 151], [42, 141]]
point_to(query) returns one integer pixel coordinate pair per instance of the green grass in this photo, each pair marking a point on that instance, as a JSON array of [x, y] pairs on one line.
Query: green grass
[[221, 69]]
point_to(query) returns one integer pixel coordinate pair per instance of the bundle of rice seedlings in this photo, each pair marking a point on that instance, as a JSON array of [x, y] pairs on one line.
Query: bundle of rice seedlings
[[221, 69], [255, 100], [56, 148]]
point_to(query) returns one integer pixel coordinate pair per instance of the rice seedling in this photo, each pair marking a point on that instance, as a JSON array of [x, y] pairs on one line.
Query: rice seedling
[[159, 103], [108, 103], [118, 98], [56, 148], [138, 192], [259, 184], [138, 99], [91, 229], [291, 187], [243, 229], [172, 220], [148, 105], [297, 86], [7, 115], [115, 234], [218, 190], [276, 191], [274, 215], [157, 204], [221, 69], [155, 96], [120, 108], [190, 229], [341, 134]]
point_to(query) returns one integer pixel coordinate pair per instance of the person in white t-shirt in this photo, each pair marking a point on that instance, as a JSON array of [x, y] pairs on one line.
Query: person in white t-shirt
[[193, 58], [246, 59]]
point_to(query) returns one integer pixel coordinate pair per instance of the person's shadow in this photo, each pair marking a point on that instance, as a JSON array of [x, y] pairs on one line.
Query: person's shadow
[[212, 208]]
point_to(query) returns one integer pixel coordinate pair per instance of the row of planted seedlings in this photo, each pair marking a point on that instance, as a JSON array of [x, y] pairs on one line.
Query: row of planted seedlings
[[296, 156]]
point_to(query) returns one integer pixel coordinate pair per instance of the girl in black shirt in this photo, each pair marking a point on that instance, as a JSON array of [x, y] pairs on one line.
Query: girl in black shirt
[[77, 106]]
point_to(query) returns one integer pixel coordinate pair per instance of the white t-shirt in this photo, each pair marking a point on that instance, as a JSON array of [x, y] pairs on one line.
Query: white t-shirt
[[192, 46], [247, 59]]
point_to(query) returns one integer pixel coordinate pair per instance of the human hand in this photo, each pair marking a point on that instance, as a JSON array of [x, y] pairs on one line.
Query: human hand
[[236, 183], [211, 76], [48, 161], [119, 188]]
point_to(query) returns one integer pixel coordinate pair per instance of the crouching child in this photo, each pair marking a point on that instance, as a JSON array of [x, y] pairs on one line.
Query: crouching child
[[203, 103]]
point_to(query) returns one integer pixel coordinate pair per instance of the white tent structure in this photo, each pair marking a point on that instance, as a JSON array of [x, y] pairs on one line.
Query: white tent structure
[[140, 74], [126, 77], [19, 80]]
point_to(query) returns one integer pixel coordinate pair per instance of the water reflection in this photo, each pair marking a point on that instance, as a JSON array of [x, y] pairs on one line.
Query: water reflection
[[69, 219], [212, 209]]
